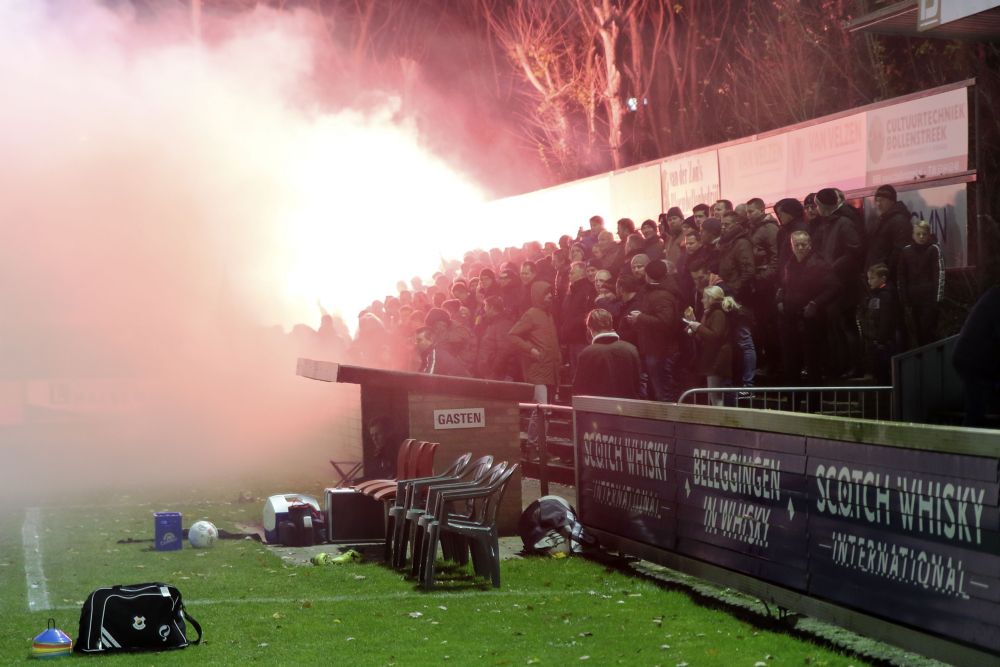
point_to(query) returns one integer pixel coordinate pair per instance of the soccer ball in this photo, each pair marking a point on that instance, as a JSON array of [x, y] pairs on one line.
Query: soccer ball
[[203, 534]]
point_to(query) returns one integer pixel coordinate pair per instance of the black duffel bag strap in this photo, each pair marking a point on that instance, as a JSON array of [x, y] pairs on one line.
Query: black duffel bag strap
[[194, 624]]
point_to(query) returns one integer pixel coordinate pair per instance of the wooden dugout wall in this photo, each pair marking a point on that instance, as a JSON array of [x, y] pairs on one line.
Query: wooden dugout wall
[[890, 530]]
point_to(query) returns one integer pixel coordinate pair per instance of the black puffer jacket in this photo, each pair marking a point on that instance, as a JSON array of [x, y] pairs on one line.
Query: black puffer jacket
[[658, 326], [891, 233]]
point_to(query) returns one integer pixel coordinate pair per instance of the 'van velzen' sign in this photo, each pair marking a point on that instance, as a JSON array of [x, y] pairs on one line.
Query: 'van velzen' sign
[[460, 418]]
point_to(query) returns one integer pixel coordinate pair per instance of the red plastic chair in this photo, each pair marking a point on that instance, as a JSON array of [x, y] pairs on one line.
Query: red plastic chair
[[402, 458], [422, 465]]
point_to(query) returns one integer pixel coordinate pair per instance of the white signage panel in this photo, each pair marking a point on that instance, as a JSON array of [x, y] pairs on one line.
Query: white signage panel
[[635, 194], [946, 209], [755, 169], [827, 155], [690, 180], [938, 12], [460, 418], [919, 139]]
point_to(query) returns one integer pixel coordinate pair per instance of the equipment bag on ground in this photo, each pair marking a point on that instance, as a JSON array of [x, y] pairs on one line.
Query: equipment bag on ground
[[550, 523], [135, 617]]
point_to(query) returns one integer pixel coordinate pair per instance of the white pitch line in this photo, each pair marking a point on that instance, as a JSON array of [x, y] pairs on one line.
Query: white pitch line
[[416, 596], [34, 576]]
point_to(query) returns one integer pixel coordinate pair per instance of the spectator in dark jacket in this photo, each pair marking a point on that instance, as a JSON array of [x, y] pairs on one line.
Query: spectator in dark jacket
[[671, 231], [921, 284], [608, 366], [837, 241], [712, 340], [495, 358], [658, 326], [807, 287], [578, 302], [436, 360], [881, 324], [652, 244], [737, 270], [452, 336], [891, 232]]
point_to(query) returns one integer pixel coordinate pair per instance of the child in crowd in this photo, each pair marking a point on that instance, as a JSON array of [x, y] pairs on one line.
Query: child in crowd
[[881, 325], [920, 274]]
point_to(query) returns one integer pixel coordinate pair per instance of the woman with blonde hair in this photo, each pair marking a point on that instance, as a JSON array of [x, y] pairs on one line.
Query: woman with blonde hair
[[712, 340]]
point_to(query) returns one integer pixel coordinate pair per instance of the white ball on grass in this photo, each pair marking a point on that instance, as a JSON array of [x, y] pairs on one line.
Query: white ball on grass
[[203, 534]]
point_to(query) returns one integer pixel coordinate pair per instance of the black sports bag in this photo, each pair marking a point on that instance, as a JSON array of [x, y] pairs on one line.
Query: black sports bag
[[136, 617]]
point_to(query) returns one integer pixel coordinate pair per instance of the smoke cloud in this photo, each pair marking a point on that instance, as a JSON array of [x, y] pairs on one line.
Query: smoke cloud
[[164, 200]]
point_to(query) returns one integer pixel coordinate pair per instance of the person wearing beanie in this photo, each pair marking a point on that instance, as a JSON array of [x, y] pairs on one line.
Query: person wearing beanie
[[579, 301], [809, 207], [711, 234], [651, 245], [921, 284], [891, 232], [451, 335], [836, 241], [671, 229], [536, 342], [434, 358], [791, 218], [656, 322]]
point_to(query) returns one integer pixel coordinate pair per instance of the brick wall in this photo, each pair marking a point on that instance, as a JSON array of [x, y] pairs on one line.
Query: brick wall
[[499, 437]]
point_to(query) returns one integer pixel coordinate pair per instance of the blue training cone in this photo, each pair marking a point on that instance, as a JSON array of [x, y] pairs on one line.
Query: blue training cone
[[52, 643]]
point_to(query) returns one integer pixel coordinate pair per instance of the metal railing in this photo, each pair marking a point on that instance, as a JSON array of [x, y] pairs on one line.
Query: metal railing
[[540, 417], [850, 402]]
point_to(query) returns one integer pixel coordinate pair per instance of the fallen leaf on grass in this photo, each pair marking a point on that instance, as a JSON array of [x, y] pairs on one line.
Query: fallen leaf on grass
[[442, 607], [306, 604], [277, 615], [415, 614]]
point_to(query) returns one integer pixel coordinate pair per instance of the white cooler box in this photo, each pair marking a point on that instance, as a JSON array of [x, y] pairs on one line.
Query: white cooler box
[[353, 517], [276, 511]]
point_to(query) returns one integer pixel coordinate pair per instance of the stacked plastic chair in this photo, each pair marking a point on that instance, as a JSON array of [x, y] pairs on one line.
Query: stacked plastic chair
[[478, 528], [396, 511], [404, 515]]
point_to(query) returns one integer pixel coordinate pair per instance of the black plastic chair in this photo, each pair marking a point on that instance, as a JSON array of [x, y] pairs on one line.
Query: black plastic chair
[[479, 529], [396, 512], [421, 502]]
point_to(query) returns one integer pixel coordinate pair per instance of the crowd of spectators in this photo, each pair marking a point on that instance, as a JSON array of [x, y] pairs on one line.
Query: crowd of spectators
[[726, 296]]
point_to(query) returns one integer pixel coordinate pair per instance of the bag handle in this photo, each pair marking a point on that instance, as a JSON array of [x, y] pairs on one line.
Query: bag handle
[[195, 624]]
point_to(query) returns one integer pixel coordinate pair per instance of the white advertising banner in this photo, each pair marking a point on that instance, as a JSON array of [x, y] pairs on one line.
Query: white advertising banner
[[690, 180], [946, 209], [755, 169], [827, 155], [635, 194], [544, 215], [938, 12], [919, 139]]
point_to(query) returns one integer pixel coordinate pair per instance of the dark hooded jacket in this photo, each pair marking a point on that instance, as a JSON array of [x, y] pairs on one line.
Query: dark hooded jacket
[[805, 281], [658, 326], [891, 233], [578, 302], [736, 261], [536, 329], [837, 242]]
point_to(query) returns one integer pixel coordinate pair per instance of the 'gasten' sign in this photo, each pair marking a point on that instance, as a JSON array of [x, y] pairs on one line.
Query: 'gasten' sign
[[460, 418]]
